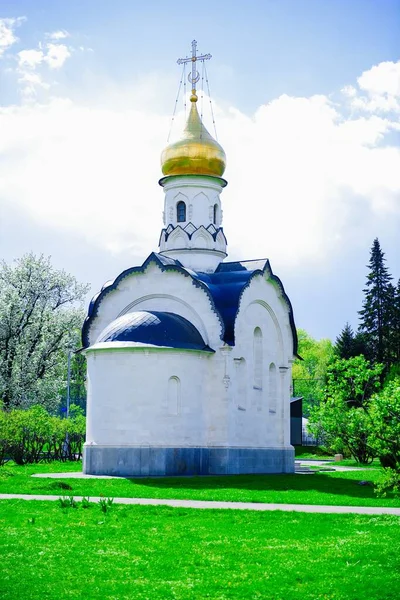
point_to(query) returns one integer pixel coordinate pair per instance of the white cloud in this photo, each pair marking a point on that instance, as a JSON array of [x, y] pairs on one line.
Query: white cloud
[[56, 55], [30, 82], [349, 91], [7, 35], [305, 180], [30, 58], [58, 35], [379, 89], [381, 79], [30, 66]]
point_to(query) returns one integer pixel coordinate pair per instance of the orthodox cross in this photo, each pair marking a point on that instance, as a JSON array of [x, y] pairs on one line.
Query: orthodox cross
[[194, 76]]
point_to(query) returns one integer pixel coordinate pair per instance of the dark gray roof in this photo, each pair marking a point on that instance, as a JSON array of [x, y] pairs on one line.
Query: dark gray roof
[[154, 328]]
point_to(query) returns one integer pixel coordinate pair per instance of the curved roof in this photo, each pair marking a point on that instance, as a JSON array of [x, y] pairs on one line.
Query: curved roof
[[224, 289], [196, 153], [155, 329]]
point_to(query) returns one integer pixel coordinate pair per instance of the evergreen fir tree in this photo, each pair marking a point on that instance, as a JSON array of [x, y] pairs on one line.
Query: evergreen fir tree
[[344, 346], [349, 345], [361, 346], [395, 325], [375, 315]]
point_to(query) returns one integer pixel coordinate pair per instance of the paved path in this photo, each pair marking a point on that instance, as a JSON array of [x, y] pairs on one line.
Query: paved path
[[330, 464], [359, 510]]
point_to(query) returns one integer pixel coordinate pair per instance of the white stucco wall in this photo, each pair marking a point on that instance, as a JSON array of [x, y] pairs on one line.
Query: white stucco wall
[[129, 398], [260, 414], [198, 250], [199, 193], [222, 402]]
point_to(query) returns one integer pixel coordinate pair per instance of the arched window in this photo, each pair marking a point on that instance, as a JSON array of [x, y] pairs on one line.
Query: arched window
[[215, 213], [272, 388], [181, 212], [242, 383], [173, 397], [258, 358]]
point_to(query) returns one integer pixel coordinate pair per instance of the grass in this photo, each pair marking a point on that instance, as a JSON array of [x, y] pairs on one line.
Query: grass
[[312, 452], [350, 462], [162, 553], [331, 488]]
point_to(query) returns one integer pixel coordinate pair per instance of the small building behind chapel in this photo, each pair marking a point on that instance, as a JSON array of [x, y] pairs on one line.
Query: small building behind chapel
[[189, 356]]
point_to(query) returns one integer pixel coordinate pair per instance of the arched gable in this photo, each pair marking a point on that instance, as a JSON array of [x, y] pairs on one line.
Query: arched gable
[[263, 297], [158, 276]]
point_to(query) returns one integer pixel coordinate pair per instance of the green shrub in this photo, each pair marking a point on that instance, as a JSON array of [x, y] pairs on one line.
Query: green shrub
[[32, 435]]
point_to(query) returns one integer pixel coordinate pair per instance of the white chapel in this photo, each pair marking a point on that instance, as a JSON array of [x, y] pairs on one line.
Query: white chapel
[[189, 355]]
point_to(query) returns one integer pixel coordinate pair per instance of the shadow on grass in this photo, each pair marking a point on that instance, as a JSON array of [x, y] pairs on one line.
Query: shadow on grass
[[320, 482]]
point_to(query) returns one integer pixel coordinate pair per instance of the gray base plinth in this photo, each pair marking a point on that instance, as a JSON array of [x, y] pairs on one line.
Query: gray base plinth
[[150, 461]]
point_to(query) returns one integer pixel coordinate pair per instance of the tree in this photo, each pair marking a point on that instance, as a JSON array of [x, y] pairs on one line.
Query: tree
[[376, 314], [349, 344], [394, 332], [39, 316], [384, 412], [344, 346], [341, 418], [309, 374]]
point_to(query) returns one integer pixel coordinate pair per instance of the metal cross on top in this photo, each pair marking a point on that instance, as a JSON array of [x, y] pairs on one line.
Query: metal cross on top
[[194, 76]]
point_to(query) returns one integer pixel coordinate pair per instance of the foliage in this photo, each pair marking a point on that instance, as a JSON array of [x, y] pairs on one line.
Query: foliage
[[376, 315], [148, 553], [78, 377], [68, 502], [105, 504], [316, 355], [349, 344], [309, 374], [384, 412], [341, 418], [39, 318], [28, 436]]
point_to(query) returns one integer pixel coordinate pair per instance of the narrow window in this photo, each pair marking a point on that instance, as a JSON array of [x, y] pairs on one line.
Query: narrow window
[[181, 212], [173, 398], [258, 358], [273, 388], [242, 383], [215, 213]]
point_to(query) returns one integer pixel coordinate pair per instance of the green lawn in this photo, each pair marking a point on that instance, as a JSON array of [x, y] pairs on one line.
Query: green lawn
[[332, 488], [307, 452], [161, 553]]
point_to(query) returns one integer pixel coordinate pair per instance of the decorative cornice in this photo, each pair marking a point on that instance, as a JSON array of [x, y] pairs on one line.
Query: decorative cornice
[[190, 230], [185, 180]]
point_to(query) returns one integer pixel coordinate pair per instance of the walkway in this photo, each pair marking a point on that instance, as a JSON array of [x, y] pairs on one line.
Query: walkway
[[359, 510]]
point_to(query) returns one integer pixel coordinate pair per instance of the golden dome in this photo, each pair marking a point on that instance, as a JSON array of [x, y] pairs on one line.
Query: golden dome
[[196, 153]]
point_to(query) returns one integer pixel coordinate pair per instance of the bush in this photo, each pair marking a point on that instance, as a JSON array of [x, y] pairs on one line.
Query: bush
[[28, 436], [342, 419], [384, 412]]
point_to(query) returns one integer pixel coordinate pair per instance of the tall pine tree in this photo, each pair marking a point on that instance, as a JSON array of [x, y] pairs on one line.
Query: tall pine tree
[[344, 346], [376, 314], [395, 325], [349, 345]]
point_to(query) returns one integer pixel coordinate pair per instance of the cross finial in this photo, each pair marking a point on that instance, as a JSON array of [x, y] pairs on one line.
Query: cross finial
[[194, 76]]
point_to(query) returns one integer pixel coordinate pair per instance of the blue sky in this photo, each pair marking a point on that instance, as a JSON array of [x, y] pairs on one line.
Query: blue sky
[[306, 96]]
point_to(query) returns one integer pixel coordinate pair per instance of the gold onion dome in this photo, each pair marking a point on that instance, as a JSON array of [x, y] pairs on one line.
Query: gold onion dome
[[196, 152]]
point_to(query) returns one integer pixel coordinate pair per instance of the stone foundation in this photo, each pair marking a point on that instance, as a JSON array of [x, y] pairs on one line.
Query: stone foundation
[[145, 461]]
